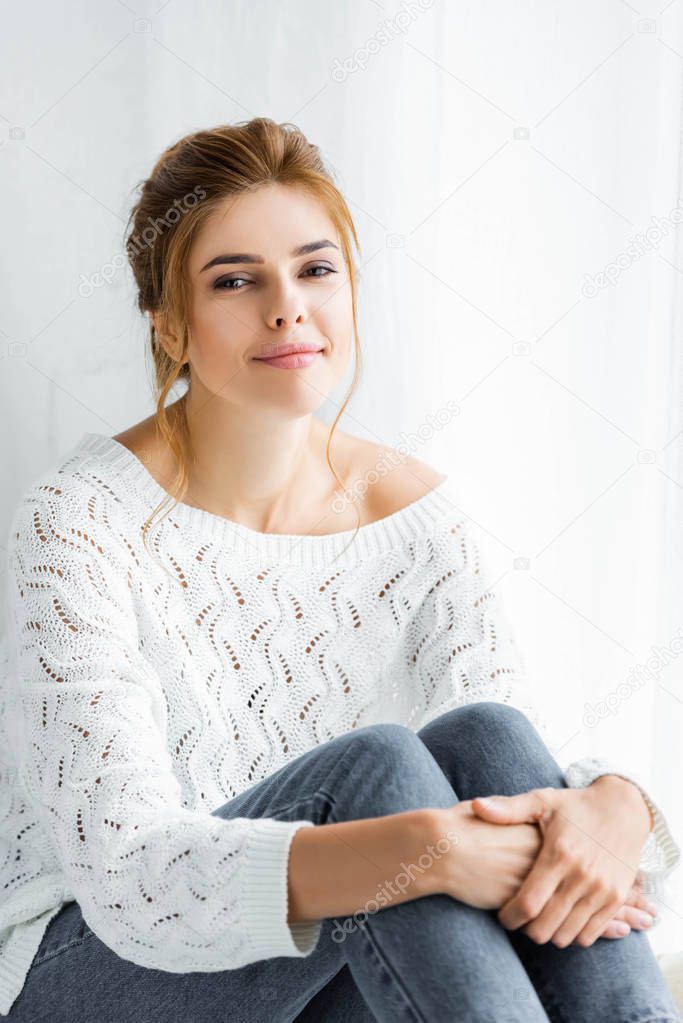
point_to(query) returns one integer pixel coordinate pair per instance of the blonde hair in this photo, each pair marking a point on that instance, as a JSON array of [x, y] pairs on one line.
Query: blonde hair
[[191, 179]]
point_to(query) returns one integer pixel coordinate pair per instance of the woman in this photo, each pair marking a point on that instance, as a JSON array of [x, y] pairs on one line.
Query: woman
[[248, 741]]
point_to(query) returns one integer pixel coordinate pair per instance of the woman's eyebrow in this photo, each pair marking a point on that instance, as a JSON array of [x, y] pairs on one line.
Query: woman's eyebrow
[[247, 257]]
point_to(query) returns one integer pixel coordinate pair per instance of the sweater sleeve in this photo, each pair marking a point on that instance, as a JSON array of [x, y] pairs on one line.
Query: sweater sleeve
[[464, 651], [161, 885]]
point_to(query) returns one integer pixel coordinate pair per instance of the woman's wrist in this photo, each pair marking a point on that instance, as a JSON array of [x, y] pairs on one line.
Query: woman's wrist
[[626, 790], [446, 829]]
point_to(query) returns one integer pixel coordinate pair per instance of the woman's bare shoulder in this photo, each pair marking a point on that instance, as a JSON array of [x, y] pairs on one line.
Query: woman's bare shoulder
[[137, 438], [393, 479]]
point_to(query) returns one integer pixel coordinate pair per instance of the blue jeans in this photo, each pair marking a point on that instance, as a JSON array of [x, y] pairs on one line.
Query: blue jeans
[[430, 959]]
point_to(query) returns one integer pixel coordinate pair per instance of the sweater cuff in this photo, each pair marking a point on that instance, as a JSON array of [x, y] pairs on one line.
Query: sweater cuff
[[660, 854], [264, 902]]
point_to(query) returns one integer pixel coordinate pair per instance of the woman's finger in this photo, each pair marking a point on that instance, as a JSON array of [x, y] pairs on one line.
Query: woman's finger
[[578, 916], [640, 901], [615, 929], [634, 894], [630, 914], [636, 918], [628, 918], [602, 924], [590, 916]]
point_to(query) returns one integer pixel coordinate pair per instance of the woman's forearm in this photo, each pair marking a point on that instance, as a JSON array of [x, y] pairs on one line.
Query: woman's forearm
[[342, 868]]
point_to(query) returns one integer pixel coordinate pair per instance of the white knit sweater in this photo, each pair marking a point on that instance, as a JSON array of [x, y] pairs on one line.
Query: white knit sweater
[[141, 692]]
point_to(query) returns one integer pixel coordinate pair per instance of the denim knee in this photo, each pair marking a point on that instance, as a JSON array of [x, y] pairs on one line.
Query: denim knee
[[389, 745], [488, 716], [489, 747], [387, 769]]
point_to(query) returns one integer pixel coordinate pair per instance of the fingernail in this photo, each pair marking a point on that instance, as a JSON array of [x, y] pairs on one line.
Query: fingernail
[[651, 908], [622, 929], [645, 918]]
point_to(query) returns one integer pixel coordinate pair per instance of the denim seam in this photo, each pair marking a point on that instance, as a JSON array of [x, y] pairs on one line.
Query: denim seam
[[320, 791], [373, 947], [62, 948]]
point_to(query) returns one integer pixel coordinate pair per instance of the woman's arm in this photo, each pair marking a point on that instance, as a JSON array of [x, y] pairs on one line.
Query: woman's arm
[[365, 865], [351, 866], [161, 884]]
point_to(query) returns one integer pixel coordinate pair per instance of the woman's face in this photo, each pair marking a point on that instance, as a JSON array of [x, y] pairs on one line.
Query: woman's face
[[251, 292]]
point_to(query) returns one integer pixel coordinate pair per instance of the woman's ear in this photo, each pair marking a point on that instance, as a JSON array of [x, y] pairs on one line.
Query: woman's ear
[[167, 339]]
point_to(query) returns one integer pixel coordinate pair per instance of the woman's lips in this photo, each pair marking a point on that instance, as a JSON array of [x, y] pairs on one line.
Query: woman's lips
[[297, 360]]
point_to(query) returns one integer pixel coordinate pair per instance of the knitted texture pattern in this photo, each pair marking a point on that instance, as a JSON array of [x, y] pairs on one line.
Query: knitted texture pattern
[[140, 691]]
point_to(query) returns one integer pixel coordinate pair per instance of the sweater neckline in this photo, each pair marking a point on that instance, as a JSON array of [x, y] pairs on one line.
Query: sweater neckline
[[346, 547]]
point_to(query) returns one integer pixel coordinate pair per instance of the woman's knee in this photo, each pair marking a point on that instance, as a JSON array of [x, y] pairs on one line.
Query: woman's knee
[[487, 718], [388, 739], [493, 746], [389, 749], [388, 769]]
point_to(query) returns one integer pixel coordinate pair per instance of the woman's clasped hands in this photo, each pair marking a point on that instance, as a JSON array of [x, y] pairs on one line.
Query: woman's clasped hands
[[559, 863]]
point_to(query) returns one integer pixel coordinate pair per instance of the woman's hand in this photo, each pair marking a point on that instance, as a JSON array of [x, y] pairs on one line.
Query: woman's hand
[[637, 913], [586, 868], [488, 863]]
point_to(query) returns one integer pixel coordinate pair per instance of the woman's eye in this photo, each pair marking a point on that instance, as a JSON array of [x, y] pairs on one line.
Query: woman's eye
[[218, 286], [320, 266], [227, 283]]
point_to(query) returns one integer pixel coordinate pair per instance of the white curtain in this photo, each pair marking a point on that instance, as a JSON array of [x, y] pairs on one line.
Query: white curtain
[[515, 175]]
